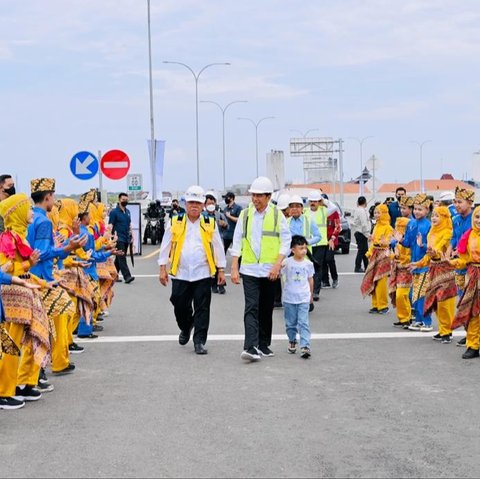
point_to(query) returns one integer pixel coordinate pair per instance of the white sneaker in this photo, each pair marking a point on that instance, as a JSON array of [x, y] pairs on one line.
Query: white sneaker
[[416, 326], [426, 329]]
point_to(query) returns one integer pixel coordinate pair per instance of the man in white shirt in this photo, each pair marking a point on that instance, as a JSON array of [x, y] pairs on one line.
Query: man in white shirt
[[262, 239], [361, 228], [193, 249]]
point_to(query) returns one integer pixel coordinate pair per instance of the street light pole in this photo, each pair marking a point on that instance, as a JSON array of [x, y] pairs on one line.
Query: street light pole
[[196, 76], [256, 125], [420, 145], [152, 124], [360, 142], [304, 135], [223, 110]]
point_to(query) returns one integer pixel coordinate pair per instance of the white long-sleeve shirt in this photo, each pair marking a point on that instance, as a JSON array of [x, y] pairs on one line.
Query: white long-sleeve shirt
[[361, 221], [193, 263], [259, 270]]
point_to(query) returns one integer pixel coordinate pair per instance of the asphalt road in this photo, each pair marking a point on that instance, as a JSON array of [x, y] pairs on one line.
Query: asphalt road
[[364, 405]]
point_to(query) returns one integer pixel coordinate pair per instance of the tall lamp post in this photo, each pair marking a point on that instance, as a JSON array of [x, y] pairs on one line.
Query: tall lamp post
[[196, 76], [360, 142], [420, 145], [256, 125], [304, 135], [223, 110]]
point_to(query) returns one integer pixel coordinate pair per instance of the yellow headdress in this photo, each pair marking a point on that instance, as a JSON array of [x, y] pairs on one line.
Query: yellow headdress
[[384, 215], [14, 211], [464, 194], [42, 184], [401, 224], [68, 212]]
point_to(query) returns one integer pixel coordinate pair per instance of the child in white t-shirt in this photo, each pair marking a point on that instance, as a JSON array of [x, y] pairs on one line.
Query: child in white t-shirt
[[297, 276]]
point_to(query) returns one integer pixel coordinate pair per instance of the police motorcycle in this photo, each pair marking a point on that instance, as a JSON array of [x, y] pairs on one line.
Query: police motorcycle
[[155, 226]]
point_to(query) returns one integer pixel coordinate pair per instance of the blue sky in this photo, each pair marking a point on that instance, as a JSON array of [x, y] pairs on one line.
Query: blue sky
[[74, 77]]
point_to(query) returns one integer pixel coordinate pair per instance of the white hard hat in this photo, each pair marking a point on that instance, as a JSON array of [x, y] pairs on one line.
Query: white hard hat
[[315, 195], [447, 196], [261, 185], [296, 199], [195, 193], [283, 201], [211, 193]]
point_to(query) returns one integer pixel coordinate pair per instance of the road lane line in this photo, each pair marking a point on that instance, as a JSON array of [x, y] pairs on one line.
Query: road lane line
[[228, 274], [275, 337]]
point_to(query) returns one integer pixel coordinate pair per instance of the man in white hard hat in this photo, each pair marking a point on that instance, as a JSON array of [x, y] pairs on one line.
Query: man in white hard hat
[[301, 224], [318, 214], [262, 239], [283, 202], [447, 199], [193, 249]]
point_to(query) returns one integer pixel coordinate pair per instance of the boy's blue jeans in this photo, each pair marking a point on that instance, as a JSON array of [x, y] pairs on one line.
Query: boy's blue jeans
[[296, 319]]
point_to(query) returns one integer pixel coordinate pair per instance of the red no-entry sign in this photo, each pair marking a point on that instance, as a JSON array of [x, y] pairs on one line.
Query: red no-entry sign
[[115, 164]]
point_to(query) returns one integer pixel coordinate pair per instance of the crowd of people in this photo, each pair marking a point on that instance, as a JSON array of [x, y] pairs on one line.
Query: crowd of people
[[60, 260], [423, 257], [57, 271]]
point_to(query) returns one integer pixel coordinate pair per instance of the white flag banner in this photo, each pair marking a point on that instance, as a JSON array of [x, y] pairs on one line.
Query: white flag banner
[[157, 170]]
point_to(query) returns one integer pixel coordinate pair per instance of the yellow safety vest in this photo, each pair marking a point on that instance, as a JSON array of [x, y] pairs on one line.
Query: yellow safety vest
[[320, 217], [179, 232], [270, 243], [306, 227]]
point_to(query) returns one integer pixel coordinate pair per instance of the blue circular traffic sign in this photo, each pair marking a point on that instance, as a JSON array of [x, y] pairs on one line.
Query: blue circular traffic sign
[[84, 165]]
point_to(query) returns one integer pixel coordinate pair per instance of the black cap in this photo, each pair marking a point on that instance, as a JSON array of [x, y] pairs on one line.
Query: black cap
[[229, 194]]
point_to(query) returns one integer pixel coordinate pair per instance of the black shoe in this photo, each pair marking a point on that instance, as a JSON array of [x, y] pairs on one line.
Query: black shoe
[[265, 351], [326, 285], [100, 318], [399, 324], [200, 349], [311, 307], [470, 354], [69, 369], [215, 289], [316, 297], [42, 378], [407, 324], [11, 403], [88, 336], [447, 339], [251, 355], [359, 270], [278, 304], [335, 283], [129, 280], [383, 311], [119, 280], [462, 342], [74, 348], [184, 337], [305, 353], [221, 289], [45, 387], [27, 393], [373, 311], [97, 327], [437, 337]]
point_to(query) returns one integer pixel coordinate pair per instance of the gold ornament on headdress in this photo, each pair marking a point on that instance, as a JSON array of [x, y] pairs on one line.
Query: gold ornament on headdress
[[464, 194], [42, 184], [422, 200], [406, 201]]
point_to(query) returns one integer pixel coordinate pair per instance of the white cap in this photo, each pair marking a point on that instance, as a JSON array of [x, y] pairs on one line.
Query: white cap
[[195, 193], [283, 201], [261, 185], [447, 196], [212, 193], [315, 195], [296, 199]]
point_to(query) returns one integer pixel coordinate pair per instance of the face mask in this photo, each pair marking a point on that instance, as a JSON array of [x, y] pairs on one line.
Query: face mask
[[211, 208], [124, 203], [10, 191]]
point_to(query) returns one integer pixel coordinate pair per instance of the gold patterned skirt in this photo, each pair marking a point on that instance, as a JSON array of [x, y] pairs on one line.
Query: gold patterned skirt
[[441, 279], [400, 277], [469, 304], [379, 265]]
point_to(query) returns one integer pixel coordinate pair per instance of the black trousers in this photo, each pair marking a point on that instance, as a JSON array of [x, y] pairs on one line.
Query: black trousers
[[191, 305], [319, 253], [329, 265], [362, 248], [121, 261], [259, 296], [278, 291], [227, 243]]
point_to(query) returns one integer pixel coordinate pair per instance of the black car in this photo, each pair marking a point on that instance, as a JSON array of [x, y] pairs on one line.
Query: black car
[[345, 235]]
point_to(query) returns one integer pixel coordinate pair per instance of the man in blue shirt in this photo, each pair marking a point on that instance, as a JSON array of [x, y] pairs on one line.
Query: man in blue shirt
[[121, 226], [300, 224], [57, 303], [394, 206], [232, 212]]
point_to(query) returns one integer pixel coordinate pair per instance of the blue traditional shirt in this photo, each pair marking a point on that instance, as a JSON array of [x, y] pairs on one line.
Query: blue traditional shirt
[[96, 257], [461, 224], [40, 236], [415, 227]]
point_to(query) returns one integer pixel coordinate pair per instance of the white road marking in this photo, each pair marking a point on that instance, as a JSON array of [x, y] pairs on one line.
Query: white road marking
[[275, 337]]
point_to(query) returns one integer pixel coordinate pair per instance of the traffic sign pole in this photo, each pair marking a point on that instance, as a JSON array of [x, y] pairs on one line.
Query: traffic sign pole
[[100, 178]]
